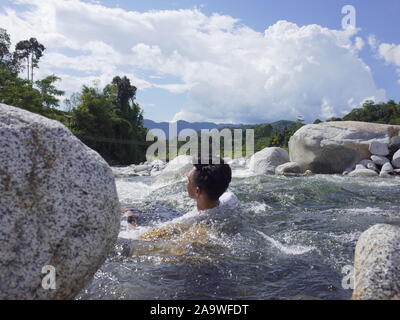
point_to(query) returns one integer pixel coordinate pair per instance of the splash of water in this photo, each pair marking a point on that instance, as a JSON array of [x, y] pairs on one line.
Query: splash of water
[[287, 249]]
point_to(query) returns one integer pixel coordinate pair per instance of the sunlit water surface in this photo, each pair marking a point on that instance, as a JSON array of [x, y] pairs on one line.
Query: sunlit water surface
[[289, 238]]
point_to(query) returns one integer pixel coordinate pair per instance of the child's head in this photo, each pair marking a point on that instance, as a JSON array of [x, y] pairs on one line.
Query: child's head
[[210, 178]]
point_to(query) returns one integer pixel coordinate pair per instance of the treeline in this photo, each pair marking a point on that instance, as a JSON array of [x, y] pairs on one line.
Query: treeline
[[276, 134], [384, 112], [39, 96], [101, 118], [109, 121]]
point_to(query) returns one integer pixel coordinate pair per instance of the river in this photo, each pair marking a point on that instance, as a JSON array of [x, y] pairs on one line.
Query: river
[[289, 238]]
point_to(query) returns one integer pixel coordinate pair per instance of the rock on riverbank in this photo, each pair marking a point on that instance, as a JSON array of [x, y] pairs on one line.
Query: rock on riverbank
[[333, 147], [377, 264], [148, 168], [267, 160], [58, 207]]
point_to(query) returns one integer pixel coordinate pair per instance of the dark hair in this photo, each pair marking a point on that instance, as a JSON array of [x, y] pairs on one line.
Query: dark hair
[[213, 176]]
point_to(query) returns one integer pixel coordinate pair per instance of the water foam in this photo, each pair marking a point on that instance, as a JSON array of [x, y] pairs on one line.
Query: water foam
[[132, 233], [132, 191], [243, 173], [345, 238], [366, 210], [287, 249], [257, 207]]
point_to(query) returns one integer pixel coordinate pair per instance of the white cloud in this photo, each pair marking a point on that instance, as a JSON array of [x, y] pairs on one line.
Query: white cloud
[[174, 88], [229, 72], [372, 41], [188, 116], [390, 53], [359, 43]]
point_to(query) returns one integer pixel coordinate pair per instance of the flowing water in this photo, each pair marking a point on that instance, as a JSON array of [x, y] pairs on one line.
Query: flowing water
[[289, 238]]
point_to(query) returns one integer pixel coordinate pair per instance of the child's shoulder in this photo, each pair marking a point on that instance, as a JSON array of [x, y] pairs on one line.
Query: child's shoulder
[[229, 199]]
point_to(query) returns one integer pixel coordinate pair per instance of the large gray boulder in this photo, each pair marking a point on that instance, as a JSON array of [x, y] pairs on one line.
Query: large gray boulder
[[266, 160], [58, 207], [377, 264], [331, 147], [379, 148], [379, 160]]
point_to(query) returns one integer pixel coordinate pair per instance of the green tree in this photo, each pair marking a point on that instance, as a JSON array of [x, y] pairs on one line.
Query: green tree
[[30, 50], [5, 44], [111, 113], [17, 92], [281, 138], [123, 93], [385, 113], [49, 91], [8, 60]]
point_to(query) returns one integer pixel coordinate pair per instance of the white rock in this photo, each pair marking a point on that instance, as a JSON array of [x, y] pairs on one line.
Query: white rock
[[141, 168], [176, 169], [360, 167], [387, 167], [239, 162], [363, 173], [290, 167], [155, 173], [331, 147], [372, 166], [387, 170], [58, 206], [394, 143], [347, 171], [396, 160], [157, 162], [266, 160], [379, 160], [377, 264], [379, 148], [124, 172]]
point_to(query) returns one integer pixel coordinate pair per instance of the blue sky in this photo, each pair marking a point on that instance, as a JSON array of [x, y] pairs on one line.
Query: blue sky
[[228, 73]]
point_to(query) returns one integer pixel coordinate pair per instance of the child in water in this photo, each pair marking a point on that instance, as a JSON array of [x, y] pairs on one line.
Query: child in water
[[207, 184]]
